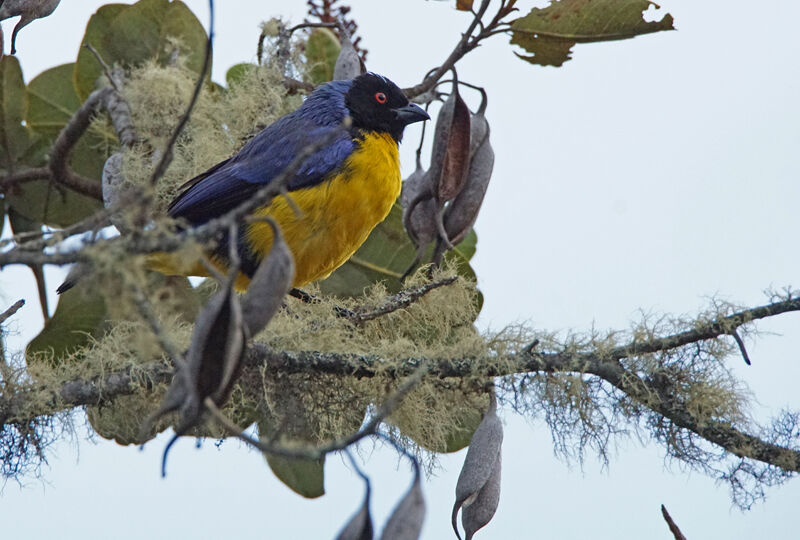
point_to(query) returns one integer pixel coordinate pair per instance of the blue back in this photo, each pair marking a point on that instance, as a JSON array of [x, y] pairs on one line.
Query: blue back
[[229, 183]]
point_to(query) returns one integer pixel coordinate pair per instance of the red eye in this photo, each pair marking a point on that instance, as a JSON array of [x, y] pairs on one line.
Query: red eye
[[380, 97]]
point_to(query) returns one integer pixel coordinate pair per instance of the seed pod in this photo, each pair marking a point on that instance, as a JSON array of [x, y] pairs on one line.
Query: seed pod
[[418, 207], [405, 523], [419, 212], [479, 512], [450, 152], [479, 465], [460, 215], [271, 281], [211, 367], [348, 63], [29, 10]]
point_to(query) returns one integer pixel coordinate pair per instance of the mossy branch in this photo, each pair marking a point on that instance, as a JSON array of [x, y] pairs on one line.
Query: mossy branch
[[606, 365]]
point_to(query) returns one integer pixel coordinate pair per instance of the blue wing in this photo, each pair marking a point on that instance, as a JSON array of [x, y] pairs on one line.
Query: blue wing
[[229, 183]]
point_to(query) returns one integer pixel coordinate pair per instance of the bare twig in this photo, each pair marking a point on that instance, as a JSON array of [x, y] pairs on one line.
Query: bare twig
[[106, 68], [28, 175], [464, 45], [11, 310], [673, 528], [293, 86], [166, 156], [66, 140], [401, 300]]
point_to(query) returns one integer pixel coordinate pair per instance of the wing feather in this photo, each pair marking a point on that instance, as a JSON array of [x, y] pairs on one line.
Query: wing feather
[[229, 183]]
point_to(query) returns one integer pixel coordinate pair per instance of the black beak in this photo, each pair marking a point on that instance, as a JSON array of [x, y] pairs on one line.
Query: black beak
[[411, 113]]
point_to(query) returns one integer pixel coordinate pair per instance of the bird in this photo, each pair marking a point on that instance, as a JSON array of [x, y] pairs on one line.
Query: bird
[[342, 191]]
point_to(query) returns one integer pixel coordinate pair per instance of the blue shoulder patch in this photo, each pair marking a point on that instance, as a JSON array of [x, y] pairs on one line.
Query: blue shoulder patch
[[228, 184]]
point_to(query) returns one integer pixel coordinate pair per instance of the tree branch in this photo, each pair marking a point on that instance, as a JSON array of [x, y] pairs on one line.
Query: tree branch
[[464, 45], [606, 366]]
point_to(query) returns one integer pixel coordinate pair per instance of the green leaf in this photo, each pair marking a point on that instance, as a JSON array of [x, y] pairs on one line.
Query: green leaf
[[52, 103], [303, 476], [80, 316], [14, 136], [550, 33], [87, 68], [385, 256], [322, 50], [130, 35], [52, 100], [237, 73], [41, 201], [459, 422]]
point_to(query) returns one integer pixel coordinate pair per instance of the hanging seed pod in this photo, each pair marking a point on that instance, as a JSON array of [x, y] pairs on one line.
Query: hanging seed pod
[[405, 523], [28, 10], [348, 63], [449, 155], [450, 152], [419, 212], [272, 280], [211, 366], [460, 215], [480, 464], [479, 512], [417, 189]]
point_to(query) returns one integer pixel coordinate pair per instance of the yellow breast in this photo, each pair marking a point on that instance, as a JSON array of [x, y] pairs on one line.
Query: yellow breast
[[336, 215]]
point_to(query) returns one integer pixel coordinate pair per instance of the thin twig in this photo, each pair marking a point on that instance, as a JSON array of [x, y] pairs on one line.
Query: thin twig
[[673, 528], [401, 300], [11, 311], [106, 67], [293, 86], [464, 45], [166, 156]]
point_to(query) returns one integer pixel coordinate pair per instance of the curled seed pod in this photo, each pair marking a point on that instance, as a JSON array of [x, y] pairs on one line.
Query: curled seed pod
[[211, 366], [460, 215], [419, 213], [348, 63], [479, 512], [271, 281], [405, 523], [28, 10], [479, 465], [418, 207], [450, 152]]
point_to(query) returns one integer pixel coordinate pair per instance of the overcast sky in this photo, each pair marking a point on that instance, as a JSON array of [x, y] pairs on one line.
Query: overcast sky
[[644, 174]]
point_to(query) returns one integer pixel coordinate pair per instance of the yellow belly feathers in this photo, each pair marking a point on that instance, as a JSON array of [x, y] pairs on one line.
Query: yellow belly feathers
[[336, 215]]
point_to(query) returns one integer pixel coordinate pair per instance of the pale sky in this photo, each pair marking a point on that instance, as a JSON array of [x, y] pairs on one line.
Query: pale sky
[[644, 174]]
